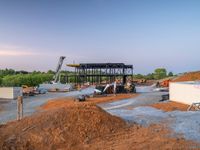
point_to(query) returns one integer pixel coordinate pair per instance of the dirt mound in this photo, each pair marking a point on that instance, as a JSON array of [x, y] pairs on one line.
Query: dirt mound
[[64, 127], [66, 124], [191, 76], [67, 102], [170, 106]]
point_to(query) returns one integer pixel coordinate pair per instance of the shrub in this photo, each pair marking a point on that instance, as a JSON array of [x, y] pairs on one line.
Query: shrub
[[26, 79], [160, 73]]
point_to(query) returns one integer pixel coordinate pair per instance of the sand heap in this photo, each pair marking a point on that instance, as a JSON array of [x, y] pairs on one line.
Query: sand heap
[[191, 76], [64, 127]]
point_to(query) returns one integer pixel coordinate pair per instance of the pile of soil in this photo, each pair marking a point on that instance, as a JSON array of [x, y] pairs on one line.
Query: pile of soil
[[191, 76], [68, 127], [66, 124], [67, 102], [170, 106]]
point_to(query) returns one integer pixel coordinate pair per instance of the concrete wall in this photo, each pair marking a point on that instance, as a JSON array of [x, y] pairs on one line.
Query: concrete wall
[[10, 92], [185, 92]]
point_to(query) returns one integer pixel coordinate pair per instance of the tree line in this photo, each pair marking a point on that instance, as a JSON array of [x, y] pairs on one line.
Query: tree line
[[10, 77], [159, 73]]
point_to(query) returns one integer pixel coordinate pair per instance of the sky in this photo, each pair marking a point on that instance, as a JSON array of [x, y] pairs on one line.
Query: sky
[[145, 33]]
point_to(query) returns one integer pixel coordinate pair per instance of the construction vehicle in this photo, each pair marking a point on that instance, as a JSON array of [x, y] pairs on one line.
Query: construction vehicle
[[58, 69], [165, 83], [28, 91], [130, 87], [115, 88]]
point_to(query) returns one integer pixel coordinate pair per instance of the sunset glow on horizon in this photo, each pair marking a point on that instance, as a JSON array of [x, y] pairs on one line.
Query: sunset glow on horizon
[[15, 53]]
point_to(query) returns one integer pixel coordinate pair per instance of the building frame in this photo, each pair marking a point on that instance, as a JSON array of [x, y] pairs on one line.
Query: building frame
[[95, 73]]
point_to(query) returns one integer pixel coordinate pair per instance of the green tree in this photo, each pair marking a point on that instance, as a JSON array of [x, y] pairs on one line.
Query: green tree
[[0, 81], [50, 72], [6, 72], [170, 74], [138, 76], [160, 73], [149, 76], [26, 79]]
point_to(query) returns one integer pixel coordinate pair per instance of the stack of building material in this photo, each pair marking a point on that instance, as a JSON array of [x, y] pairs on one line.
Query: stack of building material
[[56, 87]]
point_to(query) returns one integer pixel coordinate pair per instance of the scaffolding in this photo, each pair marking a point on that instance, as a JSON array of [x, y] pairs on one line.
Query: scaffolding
[[95, 73]]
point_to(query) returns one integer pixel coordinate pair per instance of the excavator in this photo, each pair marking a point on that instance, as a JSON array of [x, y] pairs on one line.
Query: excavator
[[165, 83]]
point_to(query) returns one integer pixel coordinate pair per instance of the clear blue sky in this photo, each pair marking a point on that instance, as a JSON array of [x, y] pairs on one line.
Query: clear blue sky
[[145, 33]]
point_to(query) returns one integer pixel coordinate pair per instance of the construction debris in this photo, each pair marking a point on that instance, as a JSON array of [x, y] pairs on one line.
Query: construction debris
[[116, 88], [28, 91], [194, 106]]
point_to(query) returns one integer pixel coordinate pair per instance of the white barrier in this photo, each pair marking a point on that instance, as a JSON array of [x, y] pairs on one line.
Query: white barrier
[[185, 92], [10, 92]]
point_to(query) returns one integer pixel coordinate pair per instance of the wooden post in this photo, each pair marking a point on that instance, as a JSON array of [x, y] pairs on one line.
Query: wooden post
[[19, 107]]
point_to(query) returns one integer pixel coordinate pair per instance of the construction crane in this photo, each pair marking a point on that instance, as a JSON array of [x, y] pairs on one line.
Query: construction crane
[[58, 69]]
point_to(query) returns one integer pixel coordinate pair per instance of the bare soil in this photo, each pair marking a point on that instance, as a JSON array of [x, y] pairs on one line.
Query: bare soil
[[66, 102], [82, 125], [191, 76], [170, 106], [137, 137]]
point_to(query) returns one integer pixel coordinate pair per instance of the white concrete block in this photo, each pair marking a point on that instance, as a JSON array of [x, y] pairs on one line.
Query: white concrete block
[[185, 92], [10, 92]]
